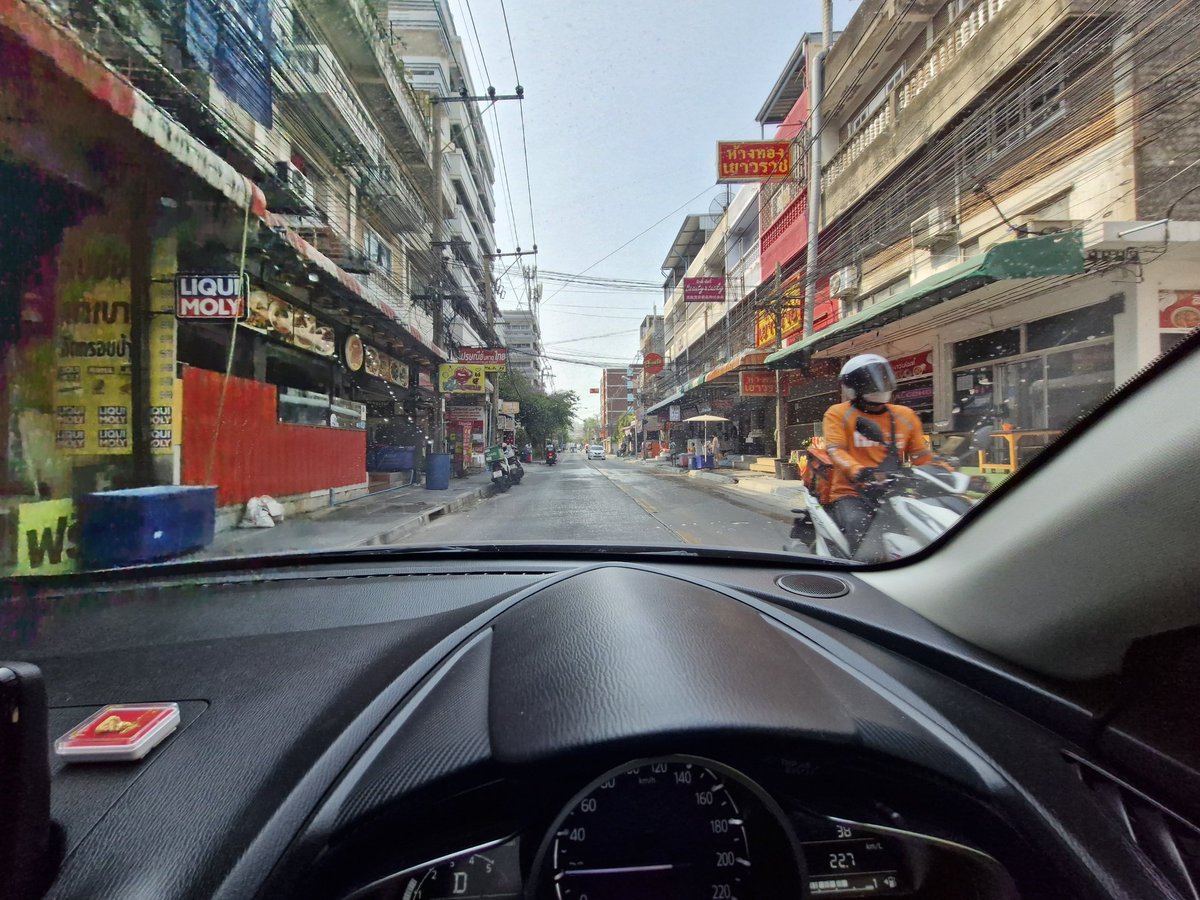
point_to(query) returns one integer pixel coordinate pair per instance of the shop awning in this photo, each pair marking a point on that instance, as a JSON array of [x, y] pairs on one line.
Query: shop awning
[[664, 403], [36, 27], [743, 359], [1036, 257]]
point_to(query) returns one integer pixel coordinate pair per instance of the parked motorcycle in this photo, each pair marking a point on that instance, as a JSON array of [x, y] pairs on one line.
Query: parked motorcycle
[[915, 505], [516, 471], [497, 462]]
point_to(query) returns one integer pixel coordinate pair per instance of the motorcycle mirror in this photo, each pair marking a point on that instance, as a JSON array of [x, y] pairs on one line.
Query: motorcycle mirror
[[868, 429]]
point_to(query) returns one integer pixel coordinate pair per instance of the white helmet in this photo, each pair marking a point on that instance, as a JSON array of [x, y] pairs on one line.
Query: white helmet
[[867, 376]]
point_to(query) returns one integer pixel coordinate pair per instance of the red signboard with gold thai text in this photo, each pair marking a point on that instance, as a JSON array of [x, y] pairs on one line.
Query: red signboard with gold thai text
[[754, 160]]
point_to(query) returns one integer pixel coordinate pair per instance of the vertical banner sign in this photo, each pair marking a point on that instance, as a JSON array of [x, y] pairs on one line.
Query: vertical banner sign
[[754, 160], [164, 387], [93, 376], [93, 379], [704, 289], [673, 413]]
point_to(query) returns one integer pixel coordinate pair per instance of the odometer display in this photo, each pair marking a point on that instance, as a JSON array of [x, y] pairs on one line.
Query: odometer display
[[663, 830]]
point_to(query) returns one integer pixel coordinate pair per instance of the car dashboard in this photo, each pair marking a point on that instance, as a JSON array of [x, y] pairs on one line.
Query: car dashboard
[[559, 731]]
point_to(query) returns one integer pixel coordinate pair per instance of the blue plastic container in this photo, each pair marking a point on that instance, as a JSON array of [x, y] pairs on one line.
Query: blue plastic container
[[391, 459], [696, 461], [437, 477], [139, 525], [709, 462]]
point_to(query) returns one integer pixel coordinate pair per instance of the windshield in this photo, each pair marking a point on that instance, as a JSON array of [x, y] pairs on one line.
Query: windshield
[[280, 276]]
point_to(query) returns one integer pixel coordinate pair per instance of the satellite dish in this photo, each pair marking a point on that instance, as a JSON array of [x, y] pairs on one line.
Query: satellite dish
[[721, 202]]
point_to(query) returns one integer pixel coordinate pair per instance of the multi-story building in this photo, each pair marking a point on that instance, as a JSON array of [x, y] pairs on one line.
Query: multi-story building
[[284, 142], [993, 206], [1005, 214], [435, 63], [616, 399], [522, 335]]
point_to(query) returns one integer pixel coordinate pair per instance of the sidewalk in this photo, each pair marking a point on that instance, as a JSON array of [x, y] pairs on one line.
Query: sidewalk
[[375, 519], [774, 496]]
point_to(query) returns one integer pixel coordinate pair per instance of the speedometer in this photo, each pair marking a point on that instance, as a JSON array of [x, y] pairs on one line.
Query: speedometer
[[670, 829]]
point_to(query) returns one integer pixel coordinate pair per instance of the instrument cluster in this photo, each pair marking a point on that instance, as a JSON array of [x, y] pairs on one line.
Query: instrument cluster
[[687, 828]]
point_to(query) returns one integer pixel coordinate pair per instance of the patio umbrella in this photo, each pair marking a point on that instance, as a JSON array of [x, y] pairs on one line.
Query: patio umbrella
[[706, 420]]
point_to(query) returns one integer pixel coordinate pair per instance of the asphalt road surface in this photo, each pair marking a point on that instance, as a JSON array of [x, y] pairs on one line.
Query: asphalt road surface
[[607, 502]]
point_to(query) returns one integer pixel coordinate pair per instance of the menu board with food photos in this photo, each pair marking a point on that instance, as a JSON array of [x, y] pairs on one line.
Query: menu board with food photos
[[268, 314], [380, 365]]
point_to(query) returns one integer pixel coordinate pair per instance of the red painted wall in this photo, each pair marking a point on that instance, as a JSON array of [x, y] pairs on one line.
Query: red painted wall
[[256, 454], [784, 238]]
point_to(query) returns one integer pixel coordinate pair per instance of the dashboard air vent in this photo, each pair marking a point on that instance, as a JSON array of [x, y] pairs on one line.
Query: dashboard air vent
[[1170, 843], [809, 584]]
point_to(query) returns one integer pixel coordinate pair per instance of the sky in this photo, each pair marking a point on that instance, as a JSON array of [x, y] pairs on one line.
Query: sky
[[624, 103]]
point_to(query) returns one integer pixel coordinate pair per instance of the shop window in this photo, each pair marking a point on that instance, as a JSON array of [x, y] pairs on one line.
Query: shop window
[[1076, 382], [994, 345], [286, 367], [1085, 324]]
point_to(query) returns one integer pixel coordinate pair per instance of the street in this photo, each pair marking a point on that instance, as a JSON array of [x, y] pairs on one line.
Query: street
[[610, 501]]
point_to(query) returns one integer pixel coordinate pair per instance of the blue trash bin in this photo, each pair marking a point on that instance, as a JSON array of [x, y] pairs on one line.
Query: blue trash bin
[[696, 461], [139, 525], [437, 478], [710, 462]]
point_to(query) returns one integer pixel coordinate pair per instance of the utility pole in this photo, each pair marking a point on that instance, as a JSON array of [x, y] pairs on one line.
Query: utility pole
[[780, 400], [816, 92], [439, 221], [438, 224], [491, 323]]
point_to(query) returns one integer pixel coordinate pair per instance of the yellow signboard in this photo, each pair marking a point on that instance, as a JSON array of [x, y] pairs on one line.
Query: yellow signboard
[[47, 537], [93, 377], [456, 378]]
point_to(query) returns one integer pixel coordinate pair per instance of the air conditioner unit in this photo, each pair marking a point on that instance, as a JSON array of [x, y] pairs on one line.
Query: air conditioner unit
[[934, 229], [844, 282], [1035, 227], [298, 193]]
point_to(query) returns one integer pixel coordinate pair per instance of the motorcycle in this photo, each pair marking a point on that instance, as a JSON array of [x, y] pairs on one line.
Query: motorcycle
[[551, 457], [515, 470], [501, 471], [914, 505]]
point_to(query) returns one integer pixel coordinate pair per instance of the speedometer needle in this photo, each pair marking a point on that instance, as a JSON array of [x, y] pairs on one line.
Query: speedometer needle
[[617, 870]]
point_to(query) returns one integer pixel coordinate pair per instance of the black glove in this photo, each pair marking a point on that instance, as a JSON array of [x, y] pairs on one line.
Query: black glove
[[865, 475]]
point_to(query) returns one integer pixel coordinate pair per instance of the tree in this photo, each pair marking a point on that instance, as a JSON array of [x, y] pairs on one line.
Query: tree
[[590, 429], [543, 416]]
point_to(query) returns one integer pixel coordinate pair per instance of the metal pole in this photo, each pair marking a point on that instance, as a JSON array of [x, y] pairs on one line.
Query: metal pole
[[814, 185], [491, 323], [439, 424], [780, 400]]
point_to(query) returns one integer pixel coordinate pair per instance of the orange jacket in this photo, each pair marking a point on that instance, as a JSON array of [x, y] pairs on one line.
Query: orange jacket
[[851, 452]]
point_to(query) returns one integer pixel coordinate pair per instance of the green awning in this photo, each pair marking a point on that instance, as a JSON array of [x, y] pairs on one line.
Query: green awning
[[1035, 257]]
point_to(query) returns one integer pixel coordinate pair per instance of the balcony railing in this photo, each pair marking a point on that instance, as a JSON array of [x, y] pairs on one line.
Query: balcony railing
[[321, 78], [937, 59]]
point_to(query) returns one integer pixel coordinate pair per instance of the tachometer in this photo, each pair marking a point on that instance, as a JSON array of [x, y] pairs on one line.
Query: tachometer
[[672, 829]]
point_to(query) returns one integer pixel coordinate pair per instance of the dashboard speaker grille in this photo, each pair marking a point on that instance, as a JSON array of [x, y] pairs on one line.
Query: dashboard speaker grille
[[808, 584]]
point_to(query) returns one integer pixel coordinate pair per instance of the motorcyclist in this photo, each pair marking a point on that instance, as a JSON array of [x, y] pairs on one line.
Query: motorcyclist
[[867, 382]]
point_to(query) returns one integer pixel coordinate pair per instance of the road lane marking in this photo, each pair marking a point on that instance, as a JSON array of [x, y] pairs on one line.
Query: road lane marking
[[686, 535], [644, 505]]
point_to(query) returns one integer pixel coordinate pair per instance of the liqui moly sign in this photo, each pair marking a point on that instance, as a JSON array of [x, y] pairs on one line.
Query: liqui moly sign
[[210, 295]]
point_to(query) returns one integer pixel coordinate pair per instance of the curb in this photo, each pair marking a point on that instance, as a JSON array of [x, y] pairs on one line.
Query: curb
[[419, 520]]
